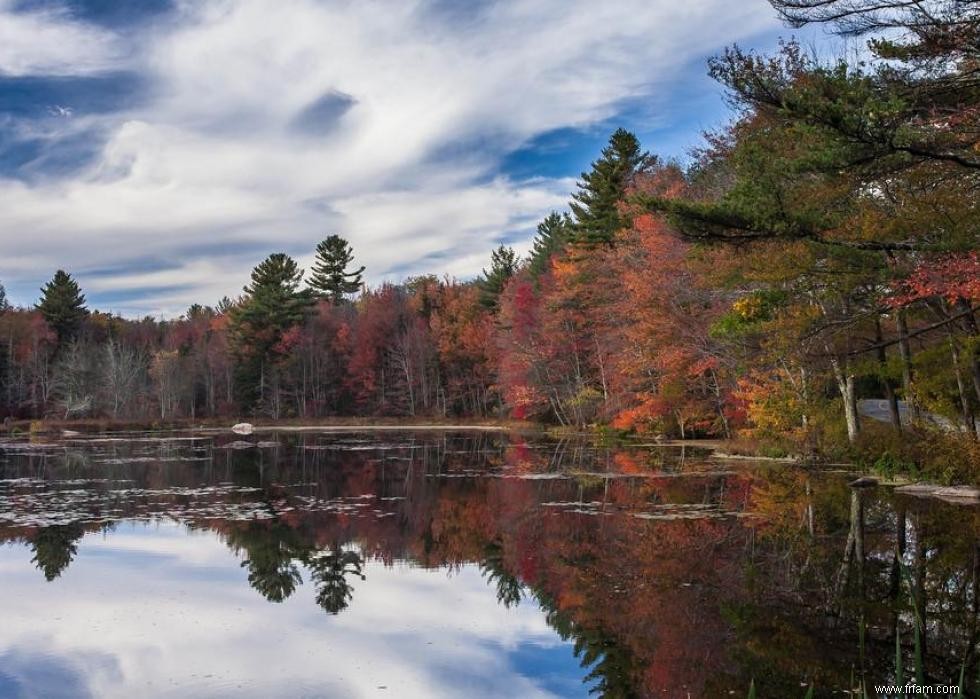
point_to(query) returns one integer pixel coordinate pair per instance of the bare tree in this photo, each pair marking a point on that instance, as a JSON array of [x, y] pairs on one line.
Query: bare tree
[[122, 370], [165, 371], [74, 380]]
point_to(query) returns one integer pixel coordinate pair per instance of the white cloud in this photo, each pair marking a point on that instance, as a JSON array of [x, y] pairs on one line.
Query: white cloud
[[51, 43], [405, 164]]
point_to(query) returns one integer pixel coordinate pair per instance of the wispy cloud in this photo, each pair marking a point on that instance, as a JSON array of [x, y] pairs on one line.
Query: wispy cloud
[[49, 41], [277, 122]]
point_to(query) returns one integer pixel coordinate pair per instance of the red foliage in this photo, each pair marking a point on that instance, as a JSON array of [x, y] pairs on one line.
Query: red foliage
[[952, 277]]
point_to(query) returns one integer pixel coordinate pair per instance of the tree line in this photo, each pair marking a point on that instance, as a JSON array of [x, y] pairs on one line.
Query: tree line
[[819, 249]]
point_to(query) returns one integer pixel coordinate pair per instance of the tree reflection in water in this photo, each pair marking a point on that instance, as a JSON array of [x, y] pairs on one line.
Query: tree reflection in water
[[331, 572], [670, 577], [55, 547], [273, 553], [510, 591]]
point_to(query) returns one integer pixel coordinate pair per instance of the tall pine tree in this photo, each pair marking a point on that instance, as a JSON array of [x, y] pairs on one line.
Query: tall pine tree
[[4, 304], [273, 305], [553, 234], [63, 306], [332, 277], [595, 206], [503, 265]]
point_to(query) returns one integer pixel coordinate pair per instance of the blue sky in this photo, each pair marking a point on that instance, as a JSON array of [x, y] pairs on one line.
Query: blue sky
[[159, 149]]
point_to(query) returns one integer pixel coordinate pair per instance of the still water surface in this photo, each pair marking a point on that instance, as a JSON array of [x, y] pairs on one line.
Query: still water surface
[[463, 565]]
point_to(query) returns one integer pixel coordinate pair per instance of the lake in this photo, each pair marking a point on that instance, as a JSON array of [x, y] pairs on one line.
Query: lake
[[464, 564]]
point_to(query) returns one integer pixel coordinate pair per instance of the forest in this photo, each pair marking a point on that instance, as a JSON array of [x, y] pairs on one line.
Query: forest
[[819, 250]]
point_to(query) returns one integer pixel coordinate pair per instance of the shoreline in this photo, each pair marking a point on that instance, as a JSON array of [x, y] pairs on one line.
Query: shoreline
[[362, 427], [959, 493]]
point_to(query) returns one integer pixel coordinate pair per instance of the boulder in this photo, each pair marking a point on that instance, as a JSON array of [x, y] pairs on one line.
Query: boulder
[[243, 428]]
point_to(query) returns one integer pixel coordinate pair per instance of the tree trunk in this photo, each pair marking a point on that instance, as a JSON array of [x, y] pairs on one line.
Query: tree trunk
[[905, 351], [886, 382], [845, 384], [966, 410], [970, 323]]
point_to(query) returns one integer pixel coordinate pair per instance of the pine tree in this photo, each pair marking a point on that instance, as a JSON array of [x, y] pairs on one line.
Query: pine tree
[[274, 301], [4, 304], [331, 278], [273, 305], [503, 265], [553, 234], [63, 306], [595, 206]]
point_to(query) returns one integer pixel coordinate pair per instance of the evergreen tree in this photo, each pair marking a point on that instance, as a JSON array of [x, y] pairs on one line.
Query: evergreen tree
[[503, 265], [4, 304], [63, 306], [196, 311], [331, 277], [273, 305], [553, 234], [595, 206]]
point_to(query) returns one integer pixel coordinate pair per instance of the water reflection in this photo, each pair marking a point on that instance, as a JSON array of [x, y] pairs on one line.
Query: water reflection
[[628, 572]]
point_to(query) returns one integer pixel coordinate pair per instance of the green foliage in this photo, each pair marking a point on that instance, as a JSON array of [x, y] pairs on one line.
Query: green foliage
[[503, 265], [935, 385], [63, 306], [749, 313], [273, 304], [918, 452], [332, 276], [889, 465], [273, 297], [601, 191], [553, 234], [4, 304]]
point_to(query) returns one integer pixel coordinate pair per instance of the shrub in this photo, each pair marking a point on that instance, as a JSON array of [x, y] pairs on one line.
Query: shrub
[[921, 452]]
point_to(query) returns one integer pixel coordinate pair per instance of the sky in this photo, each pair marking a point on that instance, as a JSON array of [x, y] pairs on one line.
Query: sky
[[158, 150]]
